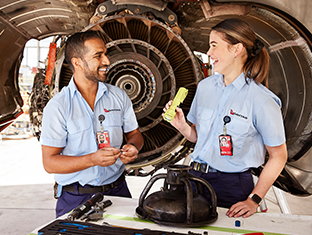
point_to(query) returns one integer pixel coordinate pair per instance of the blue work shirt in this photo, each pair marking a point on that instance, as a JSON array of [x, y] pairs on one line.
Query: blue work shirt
[[256, 120], [69, 123]]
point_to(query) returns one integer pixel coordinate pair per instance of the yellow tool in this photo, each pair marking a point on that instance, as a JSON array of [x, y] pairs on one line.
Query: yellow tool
[[178, 99]]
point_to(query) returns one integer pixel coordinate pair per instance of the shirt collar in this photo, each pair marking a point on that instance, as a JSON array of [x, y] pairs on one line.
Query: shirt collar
[[73, 88], [219, 80], [238, 83], [102, 88]]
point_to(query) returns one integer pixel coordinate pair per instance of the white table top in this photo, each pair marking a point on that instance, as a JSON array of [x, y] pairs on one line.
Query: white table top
[[122, 213]]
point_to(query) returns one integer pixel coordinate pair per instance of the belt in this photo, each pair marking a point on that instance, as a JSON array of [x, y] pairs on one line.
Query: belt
[[94, 189], [202, 167]]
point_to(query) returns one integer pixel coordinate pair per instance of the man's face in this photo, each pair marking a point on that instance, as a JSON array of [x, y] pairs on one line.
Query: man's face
[[95, 61]]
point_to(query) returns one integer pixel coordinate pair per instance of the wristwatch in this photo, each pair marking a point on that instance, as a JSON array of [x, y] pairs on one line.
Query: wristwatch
[[133, 145], [255, 198]]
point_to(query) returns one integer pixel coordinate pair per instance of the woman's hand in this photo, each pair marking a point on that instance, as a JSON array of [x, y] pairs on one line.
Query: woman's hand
[[244, 208], [179, 122], [179, 119]]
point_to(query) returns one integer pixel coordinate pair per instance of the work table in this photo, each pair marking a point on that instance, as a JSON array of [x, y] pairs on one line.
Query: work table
[[122, 214]]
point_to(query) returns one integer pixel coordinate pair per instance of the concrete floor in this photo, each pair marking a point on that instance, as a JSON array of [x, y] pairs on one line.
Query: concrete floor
[[26, 195]]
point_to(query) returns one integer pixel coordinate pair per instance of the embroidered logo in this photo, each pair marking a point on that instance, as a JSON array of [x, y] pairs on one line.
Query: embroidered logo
[[111, 110], [237, 114]]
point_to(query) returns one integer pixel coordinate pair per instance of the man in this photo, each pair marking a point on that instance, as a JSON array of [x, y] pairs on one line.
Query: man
[[74, 118], [102, 139]]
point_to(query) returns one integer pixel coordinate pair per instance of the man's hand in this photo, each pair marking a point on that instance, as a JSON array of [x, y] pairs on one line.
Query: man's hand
[[106, 156], [244, 208], [129, 153]]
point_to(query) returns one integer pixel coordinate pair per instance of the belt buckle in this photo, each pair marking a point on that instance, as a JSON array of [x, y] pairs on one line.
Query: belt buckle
[[204, 168], [107, 187], [201, 167], [104, 188]]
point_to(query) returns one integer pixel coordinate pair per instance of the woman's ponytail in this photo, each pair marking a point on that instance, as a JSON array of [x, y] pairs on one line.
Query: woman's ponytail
[[257, 65]]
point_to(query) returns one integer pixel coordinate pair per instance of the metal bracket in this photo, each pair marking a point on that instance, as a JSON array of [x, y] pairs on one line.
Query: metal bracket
[[282, 202], [108, 8]]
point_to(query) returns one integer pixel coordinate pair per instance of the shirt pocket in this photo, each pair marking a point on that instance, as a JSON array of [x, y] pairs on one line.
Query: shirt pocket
[[113, 124], [238, 129], [204, 114], [78, 125], [113, 120], [204, 117]]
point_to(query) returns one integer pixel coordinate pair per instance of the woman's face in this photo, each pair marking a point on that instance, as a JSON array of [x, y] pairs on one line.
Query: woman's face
[[221, 53]]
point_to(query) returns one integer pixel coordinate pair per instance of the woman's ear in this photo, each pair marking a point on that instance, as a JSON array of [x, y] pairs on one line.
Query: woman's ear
[[238, 49]]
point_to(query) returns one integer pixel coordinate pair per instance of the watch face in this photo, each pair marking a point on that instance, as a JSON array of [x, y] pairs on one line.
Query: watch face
[[256, 198]]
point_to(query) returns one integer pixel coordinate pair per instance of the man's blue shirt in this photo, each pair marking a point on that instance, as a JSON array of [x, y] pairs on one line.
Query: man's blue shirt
[[256, 120], [69, 123]]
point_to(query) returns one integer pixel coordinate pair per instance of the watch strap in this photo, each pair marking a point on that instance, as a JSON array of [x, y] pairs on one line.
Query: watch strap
[[133, 145]]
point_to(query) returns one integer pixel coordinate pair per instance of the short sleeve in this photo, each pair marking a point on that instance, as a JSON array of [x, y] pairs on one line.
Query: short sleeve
[[269, 123], [191, 116], [129, 119], [54, 131]]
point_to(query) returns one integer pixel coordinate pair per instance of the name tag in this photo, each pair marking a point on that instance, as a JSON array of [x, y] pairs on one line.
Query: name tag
[[226, 145], [103, 139]]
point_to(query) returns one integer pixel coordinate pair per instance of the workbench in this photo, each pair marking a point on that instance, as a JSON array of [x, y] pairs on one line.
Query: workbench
[[122, 214]]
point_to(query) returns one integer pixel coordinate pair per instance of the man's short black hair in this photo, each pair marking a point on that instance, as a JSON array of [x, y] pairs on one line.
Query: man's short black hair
[[75, 45]]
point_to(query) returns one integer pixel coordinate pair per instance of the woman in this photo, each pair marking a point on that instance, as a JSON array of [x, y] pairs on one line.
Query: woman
[[236, 106]]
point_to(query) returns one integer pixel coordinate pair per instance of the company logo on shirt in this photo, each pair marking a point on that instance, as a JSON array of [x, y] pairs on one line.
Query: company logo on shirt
[[111, 110], [237, 114]]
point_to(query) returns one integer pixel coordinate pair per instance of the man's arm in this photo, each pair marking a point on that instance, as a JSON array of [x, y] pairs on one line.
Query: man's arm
[[131, 149], [54, 162]]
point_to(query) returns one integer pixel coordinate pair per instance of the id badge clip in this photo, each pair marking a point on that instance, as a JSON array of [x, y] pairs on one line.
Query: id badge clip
[[225, 140], [103, 135]]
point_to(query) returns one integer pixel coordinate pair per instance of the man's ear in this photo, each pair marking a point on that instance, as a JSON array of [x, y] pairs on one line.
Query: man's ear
[[77, 63]]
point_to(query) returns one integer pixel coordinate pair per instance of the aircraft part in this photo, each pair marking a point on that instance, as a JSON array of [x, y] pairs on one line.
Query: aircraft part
[[38, 99]]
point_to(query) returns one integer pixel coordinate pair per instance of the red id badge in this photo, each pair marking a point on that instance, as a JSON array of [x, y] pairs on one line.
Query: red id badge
[[226, 146], [103, 139]]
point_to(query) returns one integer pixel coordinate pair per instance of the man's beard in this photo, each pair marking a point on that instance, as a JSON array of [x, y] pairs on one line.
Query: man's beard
[[93, 76]]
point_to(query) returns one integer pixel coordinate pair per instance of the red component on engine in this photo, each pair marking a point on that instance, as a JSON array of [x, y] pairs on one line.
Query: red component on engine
[[51, 63]]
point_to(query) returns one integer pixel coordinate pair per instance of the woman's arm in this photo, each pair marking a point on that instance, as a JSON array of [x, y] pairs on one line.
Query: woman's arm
[[270, 172]]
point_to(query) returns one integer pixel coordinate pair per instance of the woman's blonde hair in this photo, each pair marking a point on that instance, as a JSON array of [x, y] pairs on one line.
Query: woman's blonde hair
[[236, 31]]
